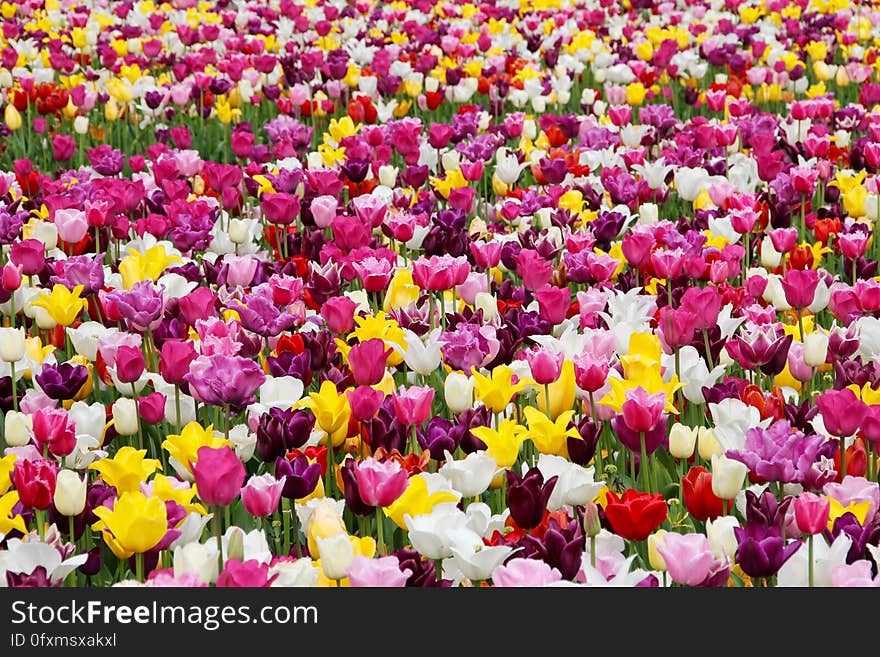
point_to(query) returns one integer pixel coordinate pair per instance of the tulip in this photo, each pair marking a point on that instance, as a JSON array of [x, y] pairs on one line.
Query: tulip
[[727, 476], [721, 537], [244, 574], [528, 496], [135, 525], [125, 416], [367, 361], [635, 515], [688, 558], [197, 559], [336, 553], [261, 495], [525, 572], [18, 428], [412, 405], [54, 431], [682, 441], [218, 474], [458, 390], [373, 573], [380, 483], [35, 482], [471, 475], [70, 493], [698, 496], [12, 344]]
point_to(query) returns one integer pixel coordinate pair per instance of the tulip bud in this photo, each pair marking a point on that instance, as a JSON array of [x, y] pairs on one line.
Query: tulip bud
[[841, 138], [529, 129], [682, 440], [125, 416], [18, 428], [238, 231], [70, 493], [111, 109], [727, 476], [815, 348], [707, 444], [81, 125], [654, 557], [235, 544], [770, 257], [451, 160], [649, 213], [12, 117], [592, 525], [12, 344], [458, 389], [487, 303], [337, 554], [47, 233], [721, 536], [197, 559], [44, 320], [388, 175]]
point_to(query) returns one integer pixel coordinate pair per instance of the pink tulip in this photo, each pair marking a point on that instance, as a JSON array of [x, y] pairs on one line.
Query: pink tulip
[[811, 513], [380, 482], [260, 496], [324, 210], [338, 312], [439, 273], [854, 574], [525, 572], [553, 302], [364, 402], [54, 429], [689, 559], [642, 411], [546, 365], [152, 407], [367, 361], [218, 474], [412, 405], [382, 572], [842, 412], [72, 225], [855, 489], [800, 286]]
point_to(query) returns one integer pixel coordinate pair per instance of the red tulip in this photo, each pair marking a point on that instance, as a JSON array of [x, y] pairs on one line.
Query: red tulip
[[635, 515], [699, 499]]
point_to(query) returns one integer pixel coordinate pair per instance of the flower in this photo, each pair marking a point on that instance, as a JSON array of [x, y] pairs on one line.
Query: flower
[[497, 389], [688, 558], [224, 380], [261, 495], [70, 493], [380, 483], [382, 572], [35, 482], [127, 469], [635, 515], [183, 447], [525, 572], [331, 411], [417, 499], [62, 304], [699, 499], [218, 475], [134, 525], [528, 496]]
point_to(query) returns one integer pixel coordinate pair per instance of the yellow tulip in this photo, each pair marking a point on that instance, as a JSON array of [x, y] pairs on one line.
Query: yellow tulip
[[62, 305], [134, 525], [325, 522], [497, 389], [401, 291], [635, 93], [503, 444], [416, 500], [858, 509], [362, 547], [137, 266], [166, 488], [383, 327], [127, 469], [562, 392], [184, 446], [8, 522], [331, 411], [12, 117], [550, 437], [6, 465]]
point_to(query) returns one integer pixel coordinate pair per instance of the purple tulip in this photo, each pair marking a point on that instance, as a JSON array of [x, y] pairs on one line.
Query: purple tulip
[[221, 380], [527, 497]]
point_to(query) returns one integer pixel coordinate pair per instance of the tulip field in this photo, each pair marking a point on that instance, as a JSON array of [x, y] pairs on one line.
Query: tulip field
[[439, 293]]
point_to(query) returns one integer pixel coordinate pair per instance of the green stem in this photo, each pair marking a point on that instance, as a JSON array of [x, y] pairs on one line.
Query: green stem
[[139, 566], [14, 387], [643, 463], [218, 534], [285, 520], [810, 560], [380, 530], [709, 358]]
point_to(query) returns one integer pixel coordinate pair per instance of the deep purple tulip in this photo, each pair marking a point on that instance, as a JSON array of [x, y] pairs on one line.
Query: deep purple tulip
[[440, 435], [351, 490], [281, 430], [761, 550], [527, 497], [300, 477], [62, 381]]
